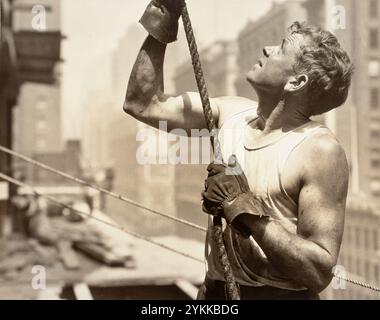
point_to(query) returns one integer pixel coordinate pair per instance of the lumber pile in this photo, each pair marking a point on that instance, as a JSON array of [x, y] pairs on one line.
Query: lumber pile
[[52, 237]]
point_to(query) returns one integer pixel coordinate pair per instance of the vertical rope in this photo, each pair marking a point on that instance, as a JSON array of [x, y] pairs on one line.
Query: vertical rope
[[217, 236]]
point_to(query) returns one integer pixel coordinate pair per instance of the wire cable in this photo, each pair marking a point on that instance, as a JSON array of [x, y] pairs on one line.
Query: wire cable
[[114, 195], [100, 189], [64, 205]]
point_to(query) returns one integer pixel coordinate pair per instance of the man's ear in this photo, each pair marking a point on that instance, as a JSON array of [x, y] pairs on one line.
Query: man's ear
[[296, 83]]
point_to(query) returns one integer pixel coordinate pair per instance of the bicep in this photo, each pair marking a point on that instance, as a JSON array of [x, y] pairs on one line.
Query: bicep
[[184, 112], [322, 201]]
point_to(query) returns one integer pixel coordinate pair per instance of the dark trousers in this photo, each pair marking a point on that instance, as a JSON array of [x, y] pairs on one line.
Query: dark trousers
[[215, 290]]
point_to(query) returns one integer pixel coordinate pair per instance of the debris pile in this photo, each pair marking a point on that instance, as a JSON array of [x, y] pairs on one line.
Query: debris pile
[[47, 234]]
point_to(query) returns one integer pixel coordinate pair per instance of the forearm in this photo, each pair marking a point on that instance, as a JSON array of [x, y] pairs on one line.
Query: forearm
[[146, 82], [300, 259]]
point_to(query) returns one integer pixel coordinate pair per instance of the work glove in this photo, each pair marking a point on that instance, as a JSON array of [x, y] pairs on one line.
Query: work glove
[[160, 19], [227, 193]]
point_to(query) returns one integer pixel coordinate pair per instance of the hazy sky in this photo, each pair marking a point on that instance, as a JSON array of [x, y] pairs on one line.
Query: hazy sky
[[94, 27]]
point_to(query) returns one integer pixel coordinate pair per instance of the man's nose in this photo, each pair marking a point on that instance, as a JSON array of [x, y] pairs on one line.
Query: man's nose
[[269, 50]]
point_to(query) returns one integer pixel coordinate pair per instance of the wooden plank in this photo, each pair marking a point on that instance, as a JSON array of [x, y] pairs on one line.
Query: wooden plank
[[188, 288], [82, 291], [101, 254]]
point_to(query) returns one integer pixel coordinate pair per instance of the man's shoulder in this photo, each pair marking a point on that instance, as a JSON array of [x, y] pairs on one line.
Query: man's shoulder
[[323, 154], [231, 105]]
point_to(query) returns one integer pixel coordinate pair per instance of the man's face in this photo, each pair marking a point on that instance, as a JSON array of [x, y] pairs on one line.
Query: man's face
[[273, 70]]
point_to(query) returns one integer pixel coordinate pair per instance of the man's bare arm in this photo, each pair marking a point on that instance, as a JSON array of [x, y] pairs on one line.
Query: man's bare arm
[[309, 256], [147, 101]]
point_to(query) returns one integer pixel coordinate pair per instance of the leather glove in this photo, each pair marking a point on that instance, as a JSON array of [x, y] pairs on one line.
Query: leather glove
[[160, 19], [227, 192]]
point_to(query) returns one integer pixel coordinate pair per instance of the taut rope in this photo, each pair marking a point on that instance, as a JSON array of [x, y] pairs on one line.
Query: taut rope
[[232, 289]]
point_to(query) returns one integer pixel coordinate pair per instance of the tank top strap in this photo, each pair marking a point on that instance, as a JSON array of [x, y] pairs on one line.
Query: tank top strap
[[235, 120], [295, 138]]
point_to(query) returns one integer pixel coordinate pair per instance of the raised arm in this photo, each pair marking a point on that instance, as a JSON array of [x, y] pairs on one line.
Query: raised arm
[[146, 100]]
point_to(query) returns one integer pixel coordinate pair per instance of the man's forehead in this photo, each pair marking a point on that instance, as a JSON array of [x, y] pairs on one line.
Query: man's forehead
[[296, 40]]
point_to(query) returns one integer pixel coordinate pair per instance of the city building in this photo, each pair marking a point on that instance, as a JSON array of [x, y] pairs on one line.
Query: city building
[[359, 257], [151, 184], [8, 95], [357, 124], [37, 116], [219, 63], [357, 127]]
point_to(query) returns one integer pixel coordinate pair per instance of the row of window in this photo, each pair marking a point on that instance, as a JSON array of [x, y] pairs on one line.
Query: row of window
[[355, 235], [365, 269], [41, 124], [373, 38], [374, 100], [374, 9]]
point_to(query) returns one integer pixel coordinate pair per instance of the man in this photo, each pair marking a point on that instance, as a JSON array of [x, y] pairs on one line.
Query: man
[[284, 207]]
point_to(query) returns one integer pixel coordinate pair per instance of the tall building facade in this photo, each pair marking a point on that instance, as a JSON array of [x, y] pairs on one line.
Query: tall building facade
[[357, 127], [359, 257], [219, 66], [8, 96], [38, 119], [151, 184], [357, 124]]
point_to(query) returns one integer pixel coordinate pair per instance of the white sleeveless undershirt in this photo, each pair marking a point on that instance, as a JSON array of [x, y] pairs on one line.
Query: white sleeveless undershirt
[[263, 167]]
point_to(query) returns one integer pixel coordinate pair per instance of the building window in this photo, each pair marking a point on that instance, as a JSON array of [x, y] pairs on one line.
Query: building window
[[375, 186], [373, 68], [366, 240], [375, 164], [375, 135], [41, 105], [348, 235], [41, 144], [41, 125], [358, 267], [357, 235], [374, 98], [366, 270], [373, 38], [349, 265], [373, 9]]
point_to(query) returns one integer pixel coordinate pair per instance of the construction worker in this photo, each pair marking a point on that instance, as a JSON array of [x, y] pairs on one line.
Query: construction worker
[[283, 195]]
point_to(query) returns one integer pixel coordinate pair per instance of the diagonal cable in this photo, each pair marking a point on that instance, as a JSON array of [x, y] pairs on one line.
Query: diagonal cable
[[82, 213], [100, 189]]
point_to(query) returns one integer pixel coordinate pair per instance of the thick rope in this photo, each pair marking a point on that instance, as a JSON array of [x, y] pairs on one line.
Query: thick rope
[[357, 283], [85, 214], [217, 236], [100, 189]]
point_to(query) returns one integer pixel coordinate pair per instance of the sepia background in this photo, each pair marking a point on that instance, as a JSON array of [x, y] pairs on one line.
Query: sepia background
[[62, 84]]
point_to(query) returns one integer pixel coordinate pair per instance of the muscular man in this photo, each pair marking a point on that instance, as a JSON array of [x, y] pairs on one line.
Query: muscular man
[[284, 212]]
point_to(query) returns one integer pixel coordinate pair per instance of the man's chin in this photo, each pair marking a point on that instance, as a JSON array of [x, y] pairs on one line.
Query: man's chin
[[252, 78]]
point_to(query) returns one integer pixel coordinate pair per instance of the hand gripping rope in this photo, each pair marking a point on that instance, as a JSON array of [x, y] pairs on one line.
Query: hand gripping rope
[[217, 231]]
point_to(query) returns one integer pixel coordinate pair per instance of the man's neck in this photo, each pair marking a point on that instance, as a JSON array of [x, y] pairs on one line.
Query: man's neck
[[284, 116]]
